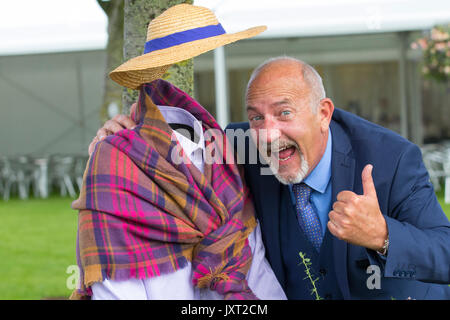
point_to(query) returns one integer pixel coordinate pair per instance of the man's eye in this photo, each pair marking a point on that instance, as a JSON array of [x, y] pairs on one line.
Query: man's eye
[[285, 113], [255, 118]]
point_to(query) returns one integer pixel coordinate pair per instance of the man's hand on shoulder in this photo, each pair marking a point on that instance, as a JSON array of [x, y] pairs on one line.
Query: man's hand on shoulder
[[117, 123]]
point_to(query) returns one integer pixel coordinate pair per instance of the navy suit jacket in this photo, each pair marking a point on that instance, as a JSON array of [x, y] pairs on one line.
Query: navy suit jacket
[[418, 261]]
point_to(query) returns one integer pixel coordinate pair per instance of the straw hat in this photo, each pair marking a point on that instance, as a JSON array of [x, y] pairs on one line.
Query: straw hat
[[179, 33]]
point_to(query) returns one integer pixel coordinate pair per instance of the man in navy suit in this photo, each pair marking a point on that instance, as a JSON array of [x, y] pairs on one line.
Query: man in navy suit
[[350, 196], [377, 214]]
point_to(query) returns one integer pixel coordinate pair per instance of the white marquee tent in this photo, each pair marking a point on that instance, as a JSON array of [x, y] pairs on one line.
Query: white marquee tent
[[34, 28], [30, 26]]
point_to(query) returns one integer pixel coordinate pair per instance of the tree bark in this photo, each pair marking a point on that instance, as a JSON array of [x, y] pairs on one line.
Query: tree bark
[[137, 16], [112, 92]]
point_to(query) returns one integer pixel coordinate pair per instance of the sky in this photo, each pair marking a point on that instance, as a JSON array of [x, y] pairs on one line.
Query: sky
[[33, 26]]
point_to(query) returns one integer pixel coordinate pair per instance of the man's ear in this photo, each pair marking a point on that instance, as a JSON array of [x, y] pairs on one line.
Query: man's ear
[[326, 109]]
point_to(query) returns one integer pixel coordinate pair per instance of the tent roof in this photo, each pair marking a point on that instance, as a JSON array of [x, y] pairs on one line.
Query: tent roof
[[31, 26], [294, 18], [61, 25]]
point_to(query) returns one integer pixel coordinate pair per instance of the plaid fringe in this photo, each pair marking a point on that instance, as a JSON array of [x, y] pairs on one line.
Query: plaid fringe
[[142, 215]]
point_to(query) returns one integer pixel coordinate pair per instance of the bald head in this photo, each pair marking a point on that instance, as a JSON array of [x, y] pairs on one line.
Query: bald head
[[288, 66]]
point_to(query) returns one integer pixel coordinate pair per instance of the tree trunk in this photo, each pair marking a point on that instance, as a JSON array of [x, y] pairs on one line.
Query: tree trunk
[[112, 92], [137, 16]]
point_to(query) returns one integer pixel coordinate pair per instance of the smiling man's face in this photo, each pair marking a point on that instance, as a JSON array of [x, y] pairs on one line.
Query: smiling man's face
[[280, 112]]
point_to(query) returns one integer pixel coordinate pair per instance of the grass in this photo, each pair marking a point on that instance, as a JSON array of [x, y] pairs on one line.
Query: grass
[[37, 245], [445, 207]]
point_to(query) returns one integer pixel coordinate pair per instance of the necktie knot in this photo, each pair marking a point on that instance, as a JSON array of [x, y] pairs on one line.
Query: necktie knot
[[303, 190]]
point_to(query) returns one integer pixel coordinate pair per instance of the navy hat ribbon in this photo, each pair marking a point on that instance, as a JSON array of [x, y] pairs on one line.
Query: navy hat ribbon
[[183, 37]]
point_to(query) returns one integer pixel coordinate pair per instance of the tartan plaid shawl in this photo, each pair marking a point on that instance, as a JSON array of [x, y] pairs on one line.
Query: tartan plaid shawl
[[142, 214]]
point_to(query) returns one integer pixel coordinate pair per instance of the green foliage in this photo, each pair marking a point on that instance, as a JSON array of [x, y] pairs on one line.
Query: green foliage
[[307, 263], [436, 53]]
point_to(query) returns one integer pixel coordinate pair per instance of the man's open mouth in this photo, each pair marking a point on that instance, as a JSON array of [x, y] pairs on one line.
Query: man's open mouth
[[285, 153]]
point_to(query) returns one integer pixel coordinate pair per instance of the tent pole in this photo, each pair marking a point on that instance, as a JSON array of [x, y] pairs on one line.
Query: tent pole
[[402, 85], [221, 87]]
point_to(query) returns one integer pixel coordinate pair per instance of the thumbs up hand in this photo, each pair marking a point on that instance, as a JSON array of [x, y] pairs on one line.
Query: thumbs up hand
[[357, 219]]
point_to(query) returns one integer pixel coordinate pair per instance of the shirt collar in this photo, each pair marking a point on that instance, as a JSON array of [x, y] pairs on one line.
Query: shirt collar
[[319, 178], [179, 115], [188, 145]]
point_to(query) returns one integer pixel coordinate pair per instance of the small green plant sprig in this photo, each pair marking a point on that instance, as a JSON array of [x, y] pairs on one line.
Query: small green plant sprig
[[307, 263]]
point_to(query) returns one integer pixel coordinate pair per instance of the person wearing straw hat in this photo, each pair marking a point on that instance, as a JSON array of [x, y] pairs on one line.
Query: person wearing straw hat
[[156, 220]]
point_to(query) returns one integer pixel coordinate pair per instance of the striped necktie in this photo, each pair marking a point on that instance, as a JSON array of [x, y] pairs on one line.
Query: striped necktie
[[307, 217]]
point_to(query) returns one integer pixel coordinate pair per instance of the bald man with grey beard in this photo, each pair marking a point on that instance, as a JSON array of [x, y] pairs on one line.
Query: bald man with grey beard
[[352, 197]]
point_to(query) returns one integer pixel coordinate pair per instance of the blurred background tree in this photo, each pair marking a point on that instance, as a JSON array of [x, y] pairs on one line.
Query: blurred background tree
[[127, 31], [112, 92], [137, 15]]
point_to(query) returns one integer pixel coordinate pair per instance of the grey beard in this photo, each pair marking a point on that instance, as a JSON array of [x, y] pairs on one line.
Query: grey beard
[[274, 167], [299, 176]]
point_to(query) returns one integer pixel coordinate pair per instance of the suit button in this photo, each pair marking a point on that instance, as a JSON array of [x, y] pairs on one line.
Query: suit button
[[328, 296], [323, 272]]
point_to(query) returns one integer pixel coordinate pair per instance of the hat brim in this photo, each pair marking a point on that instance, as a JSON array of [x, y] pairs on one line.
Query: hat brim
[[153, 65]]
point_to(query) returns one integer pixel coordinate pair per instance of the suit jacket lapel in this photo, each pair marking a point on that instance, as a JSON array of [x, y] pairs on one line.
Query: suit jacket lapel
[[266, 190], [270, 192], [342, 178]]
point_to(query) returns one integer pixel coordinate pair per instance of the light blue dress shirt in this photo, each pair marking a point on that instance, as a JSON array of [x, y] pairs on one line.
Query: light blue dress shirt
[[320, 182]]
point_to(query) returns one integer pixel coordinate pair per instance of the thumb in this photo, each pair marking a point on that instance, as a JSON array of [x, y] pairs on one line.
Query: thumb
[[367, 181]]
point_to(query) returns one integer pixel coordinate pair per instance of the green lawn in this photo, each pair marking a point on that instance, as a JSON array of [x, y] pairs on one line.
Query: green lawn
[[445, 207], [37, 245]]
